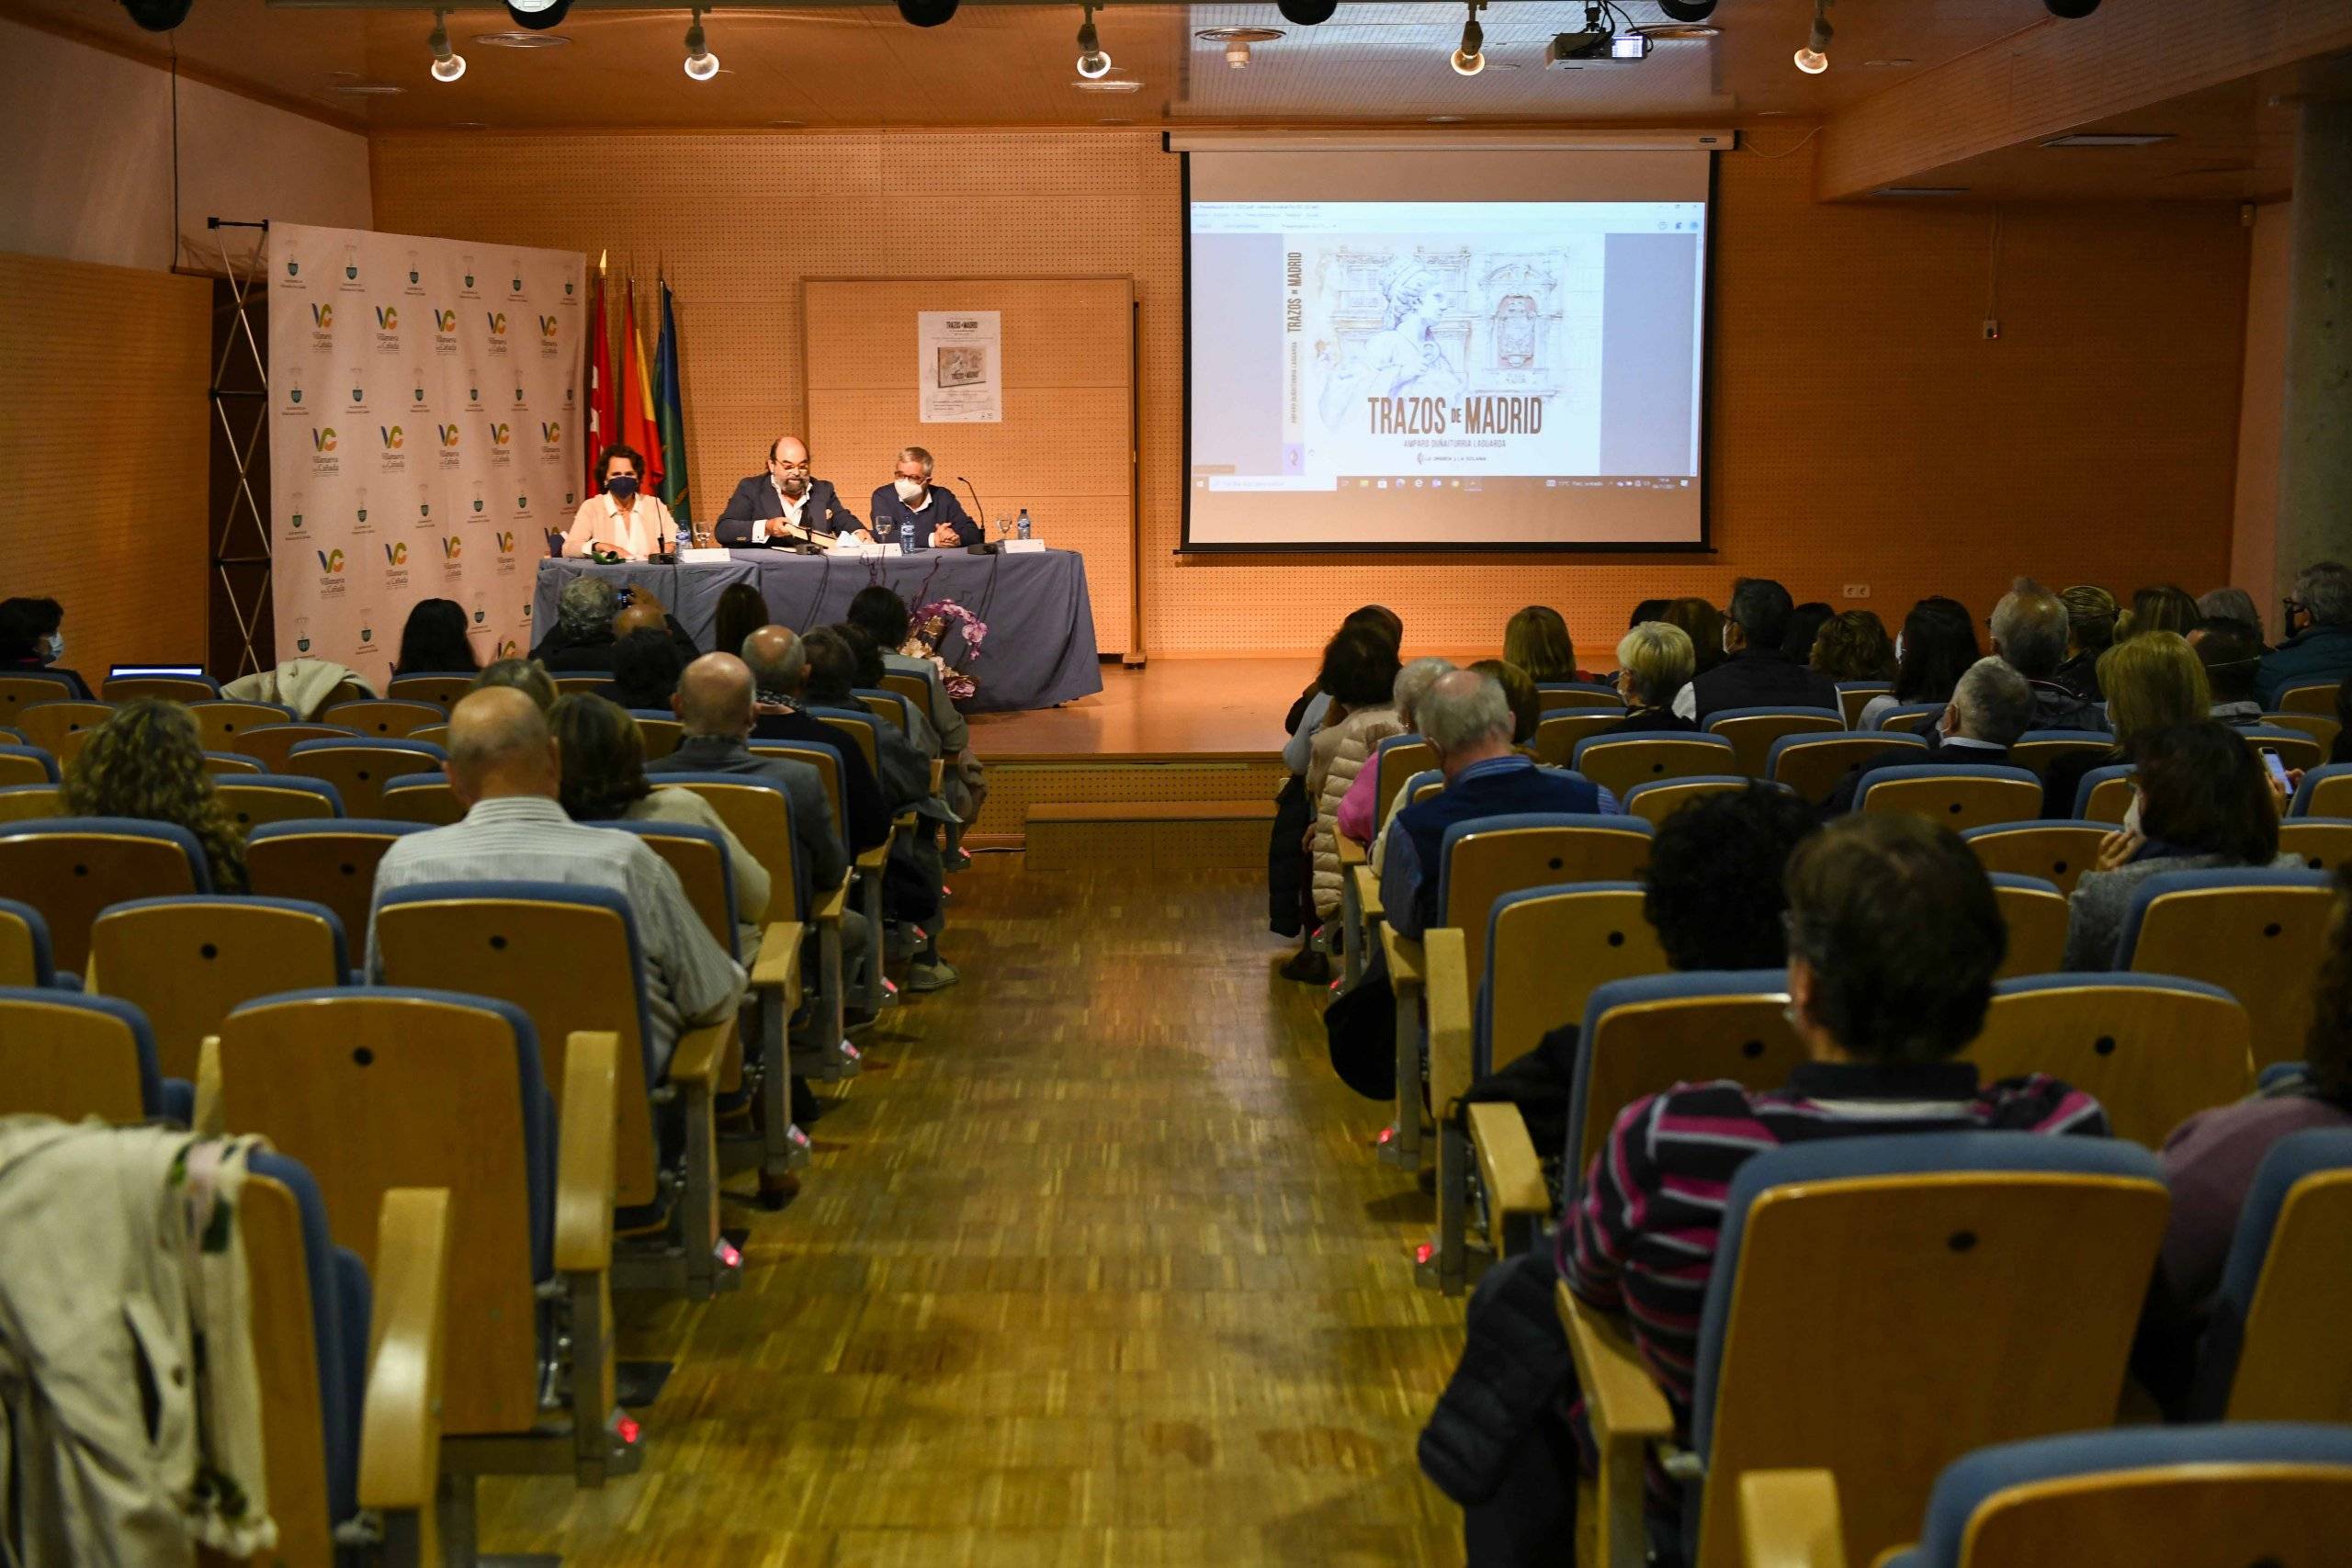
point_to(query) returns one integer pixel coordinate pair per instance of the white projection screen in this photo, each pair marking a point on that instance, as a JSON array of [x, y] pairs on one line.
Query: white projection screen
[[1445, 349]]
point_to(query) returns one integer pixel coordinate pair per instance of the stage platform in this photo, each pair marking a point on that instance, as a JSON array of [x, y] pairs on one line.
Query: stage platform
[[1173, 765]]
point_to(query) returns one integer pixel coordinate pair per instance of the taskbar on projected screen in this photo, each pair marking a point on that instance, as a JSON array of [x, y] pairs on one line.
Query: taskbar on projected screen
[[1356, 485]]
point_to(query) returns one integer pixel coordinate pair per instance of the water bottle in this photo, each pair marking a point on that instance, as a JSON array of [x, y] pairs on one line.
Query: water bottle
[[906, 535], [1022, 526]]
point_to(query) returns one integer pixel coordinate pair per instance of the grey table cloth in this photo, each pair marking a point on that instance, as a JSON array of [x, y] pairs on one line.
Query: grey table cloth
[[1040, 646]]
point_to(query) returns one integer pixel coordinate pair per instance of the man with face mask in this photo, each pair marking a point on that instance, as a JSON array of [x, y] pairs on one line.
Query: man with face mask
[[940, 521], [32, 637], [779, 506]]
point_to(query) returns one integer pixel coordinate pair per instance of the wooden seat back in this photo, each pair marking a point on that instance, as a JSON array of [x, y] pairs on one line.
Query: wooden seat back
[[1853, 697], [24, 945], [1484, 865], [69, 877], [230, 765], [286, 1366], [2294, 1361], [2012, 1328], [28, 765], [1646, 1047], [1654, 802], [2295, 748], [334, 866], [2324, 842], [272, 742], [2108, 801], [165, 688], [2058, 853], [19, 690], [1552, 697], [660, 736], [2035, 753], [2152, 1056], [915, 688], [444, 692], [702, 872], [60, 1060], [1618, 763], [48, 725], [222, 724], [187, 962], [2286, 1514], [761, 819], [385, 716], [1816, 768], [420, 798], [27, 802], [2262, 944], [2322, 727], [361, 1088], [1397, 764], [251, 801], [1557, 734], [1956, 802], [885, 707], [828, 766], [1545, 952], [861, 734], [1751, 735], [2035, 913], [568, 966], [358, 773], [2309, 696]]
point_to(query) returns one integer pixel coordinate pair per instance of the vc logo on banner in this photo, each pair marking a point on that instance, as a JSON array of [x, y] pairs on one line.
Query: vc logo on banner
[[394, 437], [331, 562], [396, 555], [323, 438], [448, 434], [322, 317], [497, 323], [387, 320]]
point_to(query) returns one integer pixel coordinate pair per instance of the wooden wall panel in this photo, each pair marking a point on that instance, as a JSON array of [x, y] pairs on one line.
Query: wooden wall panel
[[1861, 431], [1063, 447], [106, 432]]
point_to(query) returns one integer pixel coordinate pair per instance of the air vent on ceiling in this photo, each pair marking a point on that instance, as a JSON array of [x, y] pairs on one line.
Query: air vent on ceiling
[[521, 40], [2108, 139]]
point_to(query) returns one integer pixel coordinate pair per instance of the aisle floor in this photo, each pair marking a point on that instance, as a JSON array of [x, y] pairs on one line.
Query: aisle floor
[[1093, 1266]]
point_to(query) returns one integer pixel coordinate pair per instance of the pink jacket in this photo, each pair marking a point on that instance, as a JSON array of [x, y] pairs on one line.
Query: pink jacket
[[1356, 805]]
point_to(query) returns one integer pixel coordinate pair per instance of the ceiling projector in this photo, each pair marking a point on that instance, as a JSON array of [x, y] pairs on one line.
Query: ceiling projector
[[1595, 46]]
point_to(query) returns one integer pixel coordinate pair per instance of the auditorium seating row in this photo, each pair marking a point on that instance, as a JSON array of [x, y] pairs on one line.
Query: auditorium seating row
[[2023, 1261]]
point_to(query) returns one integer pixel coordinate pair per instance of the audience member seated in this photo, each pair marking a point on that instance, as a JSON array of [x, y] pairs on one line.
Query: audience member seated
[[779, 665], [527, 676], [1358, 676], [1356, 805], [1647, 610], [1893, 939], [830, 655], [645, 667], [2200, 799], [2231, 651], [1466, 720], [1854, 645], [32, 637], [2162, 608], [2229, 604], [1990, 708], [2090, 631], [1313, 708], [884, 617], [504, 768], [434, 641], [2152, 681], [2211, 1160], [1713, 893], [2319, 634], [1654, 664], [1804, 625], [1937, 643], [603, 758], [741, 612], [1755, 672], [2028, 629], [1703, 624], [1536, 640], [2340, 749], [841, 659], [1526, 706], [582, 639], [147, 760]]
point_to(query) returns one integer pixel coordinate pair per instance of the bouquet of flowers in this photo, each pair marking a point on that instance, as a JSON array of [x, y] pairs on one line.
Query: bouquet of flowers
[[931, 623]]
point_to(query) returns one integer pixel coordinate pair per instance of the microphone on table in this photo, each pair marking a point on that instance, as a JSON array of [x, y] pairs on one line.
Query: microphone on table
[[979, 521]]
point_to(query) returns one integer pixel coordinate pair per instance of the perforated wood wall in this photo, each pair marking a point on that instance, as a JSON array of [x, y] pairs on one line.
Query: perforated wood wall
[[1861, 431], [106, 432], [1065, 447]]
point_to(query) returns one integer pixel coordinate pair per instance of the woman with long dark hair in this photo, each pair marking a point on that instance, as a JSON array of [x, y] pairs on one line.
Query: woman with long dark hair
[[433, 642], [1937, 645]]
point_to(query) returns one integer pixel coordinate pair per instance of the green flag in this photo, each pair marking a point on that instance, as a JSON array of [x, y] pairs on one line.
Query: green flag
[[670, 415]]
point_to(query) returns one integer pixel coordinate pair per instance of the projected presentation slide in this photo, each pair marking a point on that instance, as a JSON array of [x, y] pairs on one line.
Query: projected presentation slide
[[1445, 374]]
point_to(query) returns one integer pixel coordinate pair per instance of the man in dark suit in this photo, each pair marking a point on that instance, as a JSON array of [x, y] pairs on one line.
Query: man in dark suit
[[1756, 673], [1990, 708], [765, 505], [779, 667], [940, 521]]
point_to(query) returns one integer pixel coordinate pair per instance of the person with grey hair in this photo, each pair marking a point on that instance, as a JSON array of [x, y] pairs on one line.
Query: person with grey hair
[[778, 661], [505, 771], [1355, 807], [2319, 634], [2029, 627], [582, 639], [1991, 706], [1654, 664], [1467, 720], [2229, 604], [910, 506]]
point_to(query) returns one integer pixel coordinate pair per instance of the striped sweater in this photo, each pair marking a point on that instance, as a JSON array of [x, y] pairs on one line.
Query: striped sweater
[[1642, 1234]]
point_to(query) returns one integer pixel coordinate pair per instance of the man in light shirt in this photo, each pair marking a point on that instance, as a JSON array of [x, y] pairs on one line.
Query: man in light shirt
[[767, 507], [504, 768]]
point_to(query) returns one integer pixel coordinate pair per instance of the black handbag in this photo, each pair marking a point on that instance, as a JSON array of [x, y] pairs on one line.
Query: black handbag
[[1361, 1026]]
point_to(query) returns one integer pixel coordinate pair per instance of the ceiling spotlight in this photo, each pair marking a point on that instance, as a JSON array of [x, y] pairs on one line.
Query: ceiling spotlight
[[701, 64], [1236, 54], [1092, 62], [537, 13], [1813, 58], [447, 64], [1471, 58], [927, 13], [163, 16], [1307, 13], [1687, 10]]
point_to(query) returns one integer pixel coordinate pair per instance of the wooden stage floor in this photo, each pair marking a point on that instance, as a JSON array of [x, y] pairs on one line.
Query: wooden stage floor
[[1173, 707], [1094, 1265]]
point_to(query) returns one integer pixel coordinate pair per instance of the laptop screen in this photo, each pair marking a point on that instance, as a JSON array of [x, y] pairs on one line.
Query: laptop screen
[[118, 672]]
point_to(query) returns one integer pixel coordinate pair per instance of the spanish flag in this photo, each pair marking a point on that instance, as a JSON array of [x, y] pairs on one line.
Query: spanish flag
[[640, 428]]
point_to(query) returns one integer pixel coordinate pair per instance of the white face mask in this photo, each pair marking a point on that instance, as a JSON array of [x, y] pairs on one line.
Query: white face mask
[[1898, 647], [910, 489], [2131, 816], [1725, 638], [56, 645]]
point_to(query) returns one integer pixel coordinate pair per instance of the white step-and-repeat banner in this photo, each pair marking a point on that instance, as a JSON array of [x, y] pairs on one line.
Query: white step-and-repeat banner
[[426, 435]]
